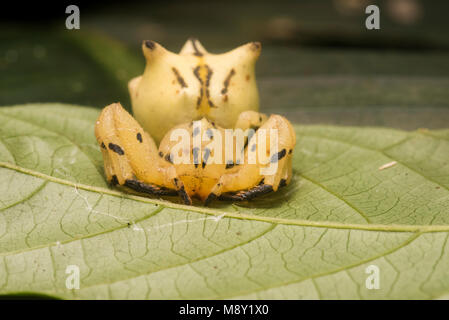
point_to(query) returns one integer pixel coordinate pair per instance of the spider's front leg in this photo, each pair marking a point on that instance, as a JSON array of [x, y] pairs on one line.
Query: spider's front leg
[[250, 120], [131, 157], [250, 179]]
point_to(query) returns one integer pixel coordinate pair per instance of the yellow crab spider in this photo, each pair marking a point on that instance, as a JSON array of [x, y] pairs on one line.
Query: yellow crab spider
[[132, 159], [177, 88]]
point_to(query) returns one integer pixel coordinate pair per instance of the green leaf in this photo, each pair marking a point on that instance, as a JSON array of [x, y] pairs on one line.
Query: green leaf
[[307, 84], [51, 64], [314, 239]]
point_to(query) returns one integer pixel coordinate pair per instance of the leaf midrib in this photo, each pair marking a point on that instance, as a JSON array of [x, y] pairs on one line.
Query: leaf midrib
[[214, 212]]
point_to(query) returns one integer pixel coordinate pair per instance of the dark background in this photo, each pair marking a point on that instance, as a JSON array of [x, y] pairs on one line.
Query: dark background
[[319, 64]]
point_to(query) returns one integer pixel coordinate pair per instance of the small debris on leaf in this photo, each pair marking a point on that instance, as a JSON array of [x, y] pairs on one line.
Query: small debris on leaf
[[388, 165]]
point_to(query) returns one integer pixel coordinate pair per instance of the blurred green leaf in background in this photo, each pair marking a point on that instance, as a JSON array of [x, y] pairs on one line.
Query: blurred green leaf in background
[[319, 64]]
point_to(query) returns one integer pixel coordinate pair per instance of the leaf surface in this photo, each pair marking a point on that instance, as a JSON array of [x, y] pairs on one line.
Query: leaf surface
[[314, 239]]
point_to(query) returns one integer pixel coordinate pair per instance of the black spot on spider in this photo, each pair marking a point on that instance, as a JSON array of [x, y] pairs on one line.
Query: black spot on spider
[[282, 183], [278, 156], [210, 133], [150, 44], [260, 118], [168, 158], [251, 133], [161, 154], [290, 151], [151, 189], [103, 146], [185, 197], [196, 152], [211, 104], [259, 190], [253, 147], [139, 137], [205, 157], [114, 180], [211, 197], [116, 148]]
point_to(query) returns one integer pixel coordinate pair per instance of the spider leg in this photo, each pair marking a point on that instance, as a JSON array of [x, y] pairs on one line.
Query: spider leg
[[252, 193], [242, 183], [150, 189], [250, 119], [247, 194], [131, 157]]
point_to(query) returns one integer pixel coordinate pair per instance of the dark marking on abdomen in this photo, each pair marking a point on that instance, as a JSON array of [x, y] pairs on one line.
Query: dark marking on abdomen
[[208, 77], [196, 72], [204, 90], [179, 78], [227, 81], [116, 148], [139, 137]]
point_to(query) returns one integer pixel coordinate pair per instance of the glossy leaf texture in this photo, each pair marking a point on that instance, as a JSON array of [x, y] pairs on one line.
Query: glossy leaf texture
[[314, 240]]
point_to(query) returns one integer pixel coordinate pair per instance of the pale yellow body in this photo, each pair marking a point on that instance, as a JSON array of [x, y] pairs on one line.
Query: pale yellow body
[[132, 159], [178, 88]]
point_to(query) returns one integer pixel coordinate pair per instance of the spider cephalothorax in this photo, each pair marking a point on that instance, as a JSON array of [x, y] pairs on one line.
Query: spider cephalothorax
[[192, 160], [177, 88]]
